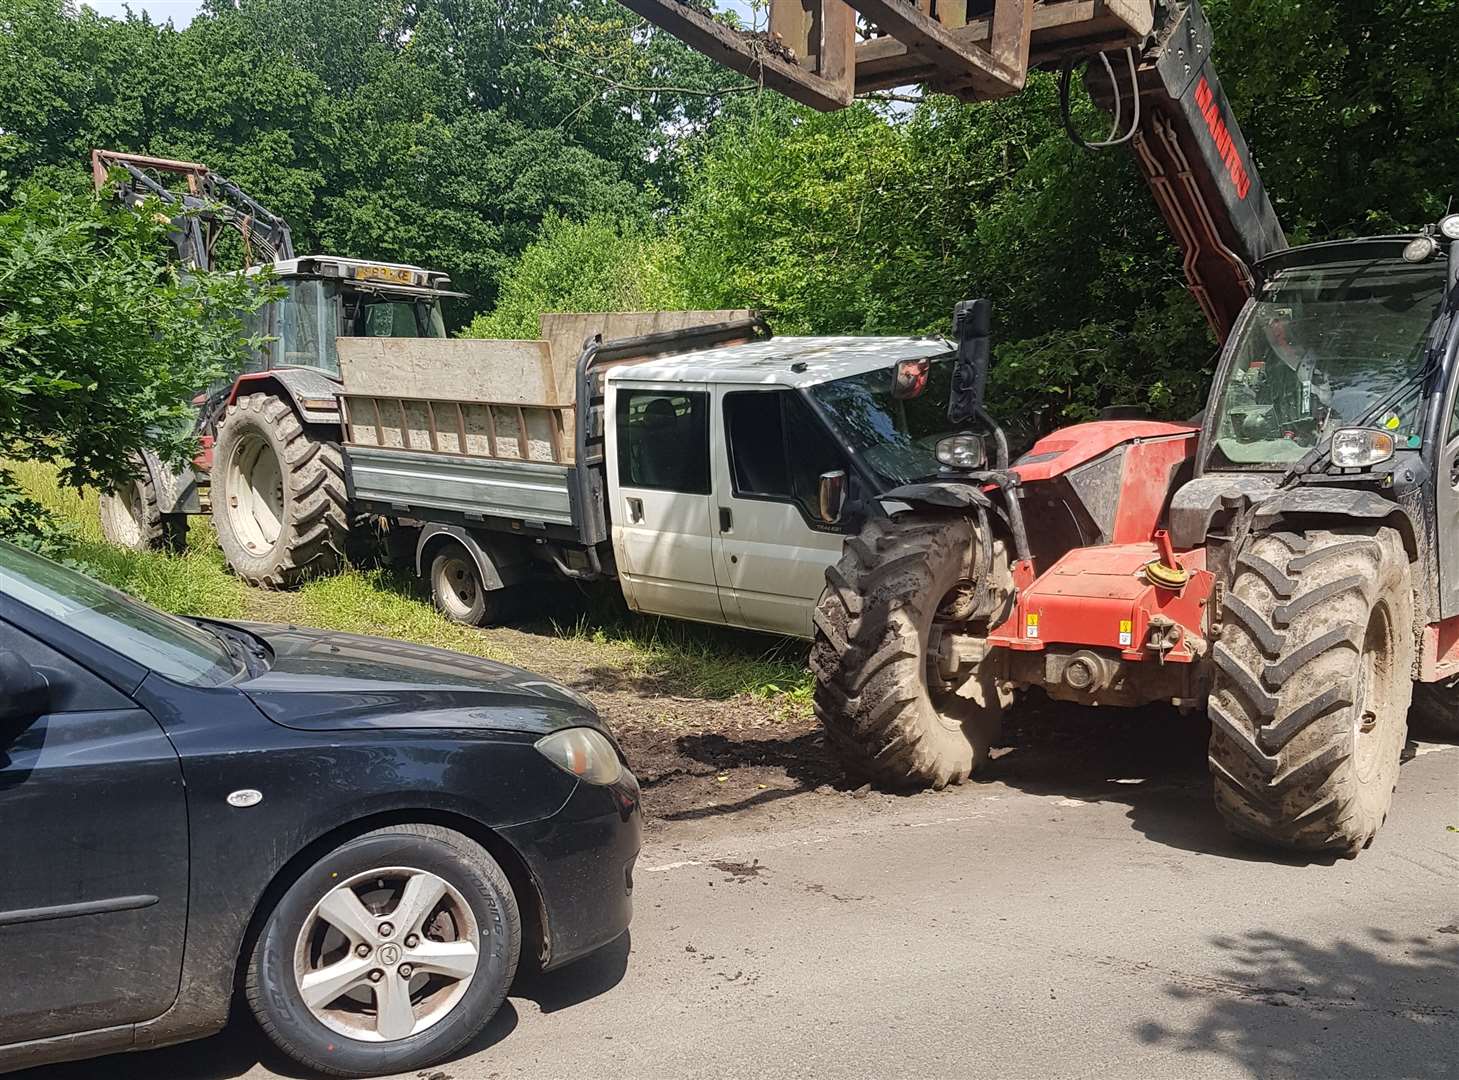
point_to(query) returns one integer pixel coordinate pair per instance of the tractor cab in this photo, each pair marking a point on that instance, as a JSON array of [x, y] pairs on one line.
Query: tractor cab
[[327, 298]]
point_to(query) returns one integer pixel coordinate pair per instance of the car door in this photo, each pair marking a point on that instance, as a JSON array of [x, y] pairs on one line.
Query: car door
[[658, 449], [93, 857], [771, 547]]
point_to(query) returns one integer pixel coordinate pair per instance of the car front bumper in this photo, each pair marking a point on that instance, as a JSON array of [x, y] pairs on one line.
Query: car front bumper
[[581, 860]]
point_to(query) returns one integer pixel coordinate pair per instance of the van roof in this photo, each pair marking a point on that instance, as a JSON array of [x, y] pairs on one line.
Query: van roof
[[783, 361]]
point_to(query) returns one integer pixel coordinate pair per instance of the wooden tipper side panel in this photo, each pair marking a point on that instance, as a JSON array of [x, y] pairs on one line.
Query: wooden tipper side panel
[[473, 398]]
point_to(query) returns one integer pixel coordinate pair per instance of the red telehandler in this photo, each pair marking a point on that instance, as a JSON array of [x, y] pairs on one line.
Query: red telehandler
[[1291, 563]]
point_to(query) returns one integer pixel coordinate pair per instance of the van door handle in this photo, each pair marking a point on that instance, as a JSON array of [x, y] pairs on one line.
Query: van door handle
[[726, 519], [635, 511]]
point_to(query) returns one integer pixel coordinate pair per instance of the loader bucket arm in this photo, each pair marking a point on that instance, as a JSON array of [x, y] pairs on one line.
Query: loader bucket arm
[[209, 205], [1190, 150]]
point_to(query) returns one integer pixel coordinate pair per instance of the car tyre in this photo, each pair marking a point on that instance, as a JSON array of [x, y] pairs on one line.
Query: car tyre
[[312, 944]]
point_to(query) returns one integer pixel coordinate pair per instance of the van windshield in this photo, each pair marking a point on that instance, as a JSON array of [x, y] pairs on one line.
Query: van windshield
[[896, 437]]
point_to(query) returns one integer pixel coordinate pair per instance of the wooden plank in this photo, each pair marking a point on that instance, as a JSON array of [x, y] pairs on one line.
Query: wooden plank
[[522, 434], [1083, 25], [379, 424], [511, 372], [837, 61], [1012, 31], [742, 53], [554, 421], [793, 24], [954, 58], [431, 418]]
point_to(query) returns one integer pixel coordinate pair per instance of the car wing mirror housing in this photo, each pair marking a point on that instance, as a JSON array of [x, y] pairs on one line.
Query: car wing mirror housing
[[24, 692], [832, 496]]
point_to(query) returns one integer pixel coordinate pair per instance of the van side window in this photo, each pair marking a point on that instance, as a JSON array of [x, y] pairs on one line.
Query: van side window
[[663, 440], [778, 448]]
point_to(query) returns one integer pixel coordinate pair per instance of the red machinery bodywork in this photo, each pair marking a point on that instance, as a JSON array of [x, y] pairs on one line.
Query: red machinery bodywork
[[1099, 596]]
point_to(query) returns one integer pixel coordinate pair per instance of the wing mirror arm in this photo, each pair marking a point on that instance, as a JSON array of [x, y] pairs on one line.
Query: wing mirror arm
[[24, 693], [832, 496]]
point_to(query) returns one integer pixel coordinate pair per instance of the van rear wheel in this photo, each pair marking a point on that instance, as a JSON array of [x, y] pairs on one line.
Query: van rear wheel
[[458, 592]]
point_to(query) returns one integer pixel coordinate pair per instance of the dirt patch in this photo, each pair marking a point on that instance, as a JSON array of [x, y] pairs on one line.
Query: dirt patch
[[697, 758]]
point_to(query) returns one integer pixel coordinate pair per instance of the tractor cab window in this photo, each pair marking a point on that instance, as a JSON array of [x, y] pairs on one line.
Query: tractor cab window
[[1327, 346], [305, 327], [374, 315]]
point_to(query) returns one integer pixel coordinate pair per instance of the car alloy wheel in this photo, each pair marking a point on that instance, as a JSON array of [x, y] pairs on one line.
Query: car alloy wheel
[[387, 954]]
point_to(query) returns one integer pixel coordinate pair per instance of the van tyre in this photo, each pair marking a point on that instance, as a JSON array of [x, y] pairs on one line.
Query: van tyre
[[1312, 686], [131, 517], [388, 954], [278, 494], [458, 592], [1436, 710], [882, 715]]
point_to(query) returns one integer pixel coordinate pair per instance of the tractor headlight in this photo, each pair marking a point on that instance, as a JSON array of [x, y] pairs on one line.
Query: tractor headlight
[[1449, 226], [584, 752], [962, 452], [1359, 448], [1421, 249]]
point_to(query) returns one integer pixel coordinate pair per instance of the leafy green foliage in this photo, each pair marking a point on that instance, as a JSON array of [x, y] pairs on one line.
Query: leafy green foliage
[[594, 265], [103, 342]]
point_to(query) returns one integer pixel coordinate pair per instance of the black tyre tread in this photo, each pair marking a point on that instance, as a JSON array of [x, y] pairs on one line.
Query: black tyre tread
[[160, 532], [1282, 743], [868, 656], [482, 862], [316, 507]]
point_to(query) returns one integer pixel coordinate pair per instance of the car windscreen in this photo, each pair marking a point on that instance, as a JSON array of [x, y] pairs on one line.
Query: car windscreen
[[162, 643]]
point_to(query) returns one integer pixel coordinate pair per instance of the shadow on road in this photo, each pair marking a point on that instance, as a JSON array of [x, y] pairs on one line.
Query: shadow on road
[[1151, 760], [242, 1046], [1284, 1007]]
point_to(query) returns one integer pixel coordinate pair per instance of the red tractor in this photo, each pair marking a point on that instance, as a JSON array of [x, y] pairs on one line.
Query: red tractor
[[1290, 562]]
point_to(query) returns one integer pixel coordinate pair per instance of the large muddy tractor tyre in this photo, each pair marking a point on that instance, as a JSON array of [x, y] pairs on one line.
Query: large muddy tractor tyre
[[131, 518], [278, 494], [1436, 711], [870, 658], [1309, 708]]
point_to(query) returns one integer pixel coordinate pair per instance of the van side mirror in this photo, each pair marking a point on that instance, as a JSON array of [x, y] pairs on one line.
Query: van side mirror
[[832, 495], [24, 693]]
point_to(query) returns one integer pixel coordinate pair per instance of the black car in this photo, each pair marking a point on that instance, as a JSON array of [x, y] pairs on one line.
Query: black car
[[357, 836]]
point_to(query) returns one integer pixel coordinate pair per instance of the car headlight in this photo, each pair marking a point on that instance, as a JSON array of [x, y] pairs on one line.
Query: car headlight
[[962, 452], [583, 752], [1358, 448]]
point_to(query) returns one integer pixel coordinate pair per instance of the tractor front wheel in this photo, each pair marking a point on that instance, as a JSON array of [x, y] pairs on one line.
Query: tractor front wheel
[[887, 721], [278, 495], [1309, 709]]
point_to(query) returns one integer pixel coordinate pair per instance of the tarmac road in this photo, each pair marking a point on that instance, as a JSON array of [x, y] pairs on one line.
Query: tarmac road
[[1074, 921]]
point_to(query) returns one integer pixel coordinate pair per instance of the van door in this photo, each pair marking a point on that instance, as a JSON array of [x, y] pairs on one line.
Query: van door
[[772, 548], [658, 452]]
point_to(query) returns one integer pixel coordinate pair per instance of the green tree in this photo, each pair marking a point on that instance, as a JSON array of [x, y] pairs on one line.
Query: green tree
[[103, 343]]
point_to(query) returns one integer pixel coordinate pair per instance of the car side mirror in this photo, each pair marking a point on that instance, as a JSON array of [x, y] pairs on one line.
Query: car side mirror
[[832, 495], [24, 693]]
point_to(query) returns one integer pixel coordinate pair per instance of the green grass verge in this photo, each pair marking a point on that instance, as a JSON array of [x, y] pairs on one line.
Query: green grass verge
[[664, 655]]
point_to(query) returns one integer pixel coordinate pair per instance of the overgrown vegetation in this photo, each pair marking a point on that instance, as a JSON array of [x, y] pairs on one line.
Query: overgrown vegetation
[[103, 342]]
